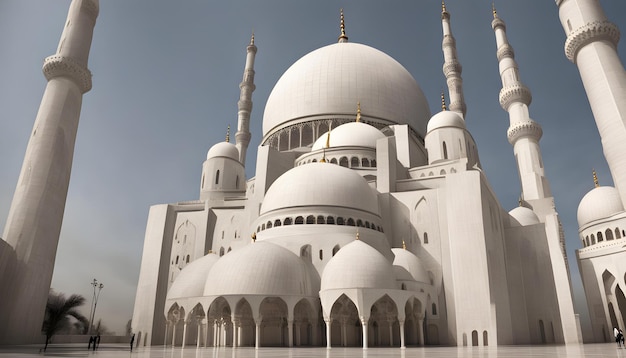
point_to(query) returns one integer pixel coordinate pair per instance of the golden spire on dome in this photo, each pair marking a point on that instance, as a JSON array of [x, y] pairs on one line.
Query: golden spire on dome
[[358, 112], [330, 128], [595, 178], [253, 236], [443, 7], [357, 235], [404, 243], [252, 38], [228, 134], [443, 102], [520, 201], [493, 10], [342, 25]]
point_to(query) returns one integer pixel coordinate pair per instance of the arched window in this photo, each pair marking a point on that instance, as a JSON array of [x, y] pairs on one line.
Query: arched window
[[403, 288], [354, 162], [310, 219], [367, 224], [365, 162], [299, 220], [221, 251], [600, 236], [445, 151], [343, 161], [485, 338], [258, 229], [333, 161], [336, 249], [475, 338], [287, 221], [321, 254], [442, 172], [587, 240], [434, 309], [229, 249], [340, 221], [373, 163], [305, 251], [617, 234], [262, 226], [426, 238], [269, 225], [314, 161], [330, 220], [593, 239], [237, 182], [176, 260], [350, 222], [359, 223], [609, 234], [187, 260], [202, 186], [217, 177], [277, 223], [320, 219]]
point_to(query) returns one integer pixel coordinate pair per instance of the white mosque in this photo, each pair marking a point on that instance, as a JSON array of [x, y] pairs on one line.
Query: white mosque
[[369, 221]]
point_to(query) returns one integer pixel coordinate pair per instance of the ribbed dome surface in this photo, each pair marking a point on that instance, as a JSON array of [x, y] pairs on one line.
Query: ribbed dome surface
[[600, 203], [320, 184], [411, 263], [355, 134], [223, 149], [332, 79], [190, 281], [445, 119], [262, 268], [524, 216], [358, 265]]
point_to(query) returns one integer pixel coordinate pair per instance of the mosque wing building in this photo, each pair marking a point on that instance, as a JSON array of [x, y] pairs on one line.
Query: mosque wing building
[[369, 222]]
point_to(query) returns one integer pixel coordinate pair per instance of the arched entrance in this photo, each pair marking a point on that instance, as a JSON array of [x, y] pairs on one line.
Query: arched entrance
[[273, 311], [245, 328], [305, 323], [413, 330], [346, 327], [384, 328], [175, 325], [219, 320]]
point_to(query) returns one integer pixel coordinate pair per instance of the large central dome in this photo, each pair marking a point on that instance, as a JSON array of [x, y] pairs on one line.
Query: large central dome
[[329, 82]]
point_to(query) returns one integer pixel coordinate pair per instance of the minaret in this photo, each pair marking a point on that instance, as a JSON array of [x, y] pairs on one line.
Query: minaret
[[451, 67], [34, 221], [523, 132], [242, 137], [592, 45]]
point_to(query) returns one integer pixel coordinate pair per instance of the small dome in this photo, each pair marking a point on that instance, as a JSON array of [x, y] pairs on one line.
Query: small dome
[[223, 149], [523, 216], [352, 134], [406, 260], [332, 79], [358, 265], [600, 203], [262, 268], [445, 119], [190, 281], [320, 184]]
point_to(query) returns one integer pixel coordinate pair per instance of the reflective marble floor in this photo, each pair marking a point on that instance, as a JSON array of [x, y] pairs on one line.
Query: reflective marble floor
[[118, 351]]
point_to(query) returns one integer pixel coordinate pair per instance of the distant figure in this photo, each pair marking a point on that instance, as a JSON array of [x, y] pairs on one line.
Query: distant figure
[[618, 336], [97, 341], [132, 340], [90, 342]]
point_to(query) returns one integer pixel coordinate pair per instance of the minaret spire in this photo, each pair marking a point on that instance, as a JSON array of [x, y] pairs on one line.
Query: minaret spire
[[452, 67], [342, 26], [246, 87], [36, 214], [228, 134], [523, 132], [358, 112], [591, 44], [595, 179]]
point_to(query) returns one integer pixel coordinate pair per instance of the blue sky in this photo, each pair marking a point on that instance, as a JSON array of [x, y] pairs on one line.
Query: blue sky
[[165, 87]]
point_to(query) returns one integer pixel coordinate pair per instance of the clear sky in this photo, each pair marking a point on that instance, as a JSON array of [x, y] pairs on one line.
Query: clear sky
[[165, 87]]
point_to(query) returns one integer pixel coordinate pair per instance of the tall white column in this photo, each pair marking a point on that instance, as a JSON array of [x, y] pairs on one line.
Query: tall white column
[[242, 137], [257, 334], [184, 333], [402, 338], [364, 326], [390, 333], [420, 332], [290, 332], [174, 335], [199, 335], [34, 221], [328, 332]]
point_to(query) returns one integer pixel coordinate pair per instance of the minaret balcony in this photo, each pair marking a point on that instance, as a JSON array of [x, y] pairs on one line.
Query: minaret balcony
[[525, 129], [514, 94], [61, 66], [595, 31]]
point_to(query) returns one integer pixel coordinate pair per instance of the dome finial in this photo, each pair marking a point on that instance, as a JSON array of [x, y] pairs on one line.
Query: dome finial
[[358, 111], [252, 38], [403, 245], [443, 7], [342, 25], [228, 134], [357, 235], [595, 178], [493, 10], [443, 101]]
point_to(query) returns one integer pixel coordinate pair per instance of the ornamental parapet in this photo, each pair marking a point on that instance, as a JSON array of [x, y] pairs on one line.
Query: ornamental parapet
[[514, 94], [505, 51], [452, 66], [595, 31], [525, 129], [61, 66]]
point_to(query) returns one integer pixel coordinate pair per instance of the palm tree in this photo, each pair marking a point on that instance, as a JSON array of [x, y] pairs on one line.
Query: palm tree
[[58, 313]]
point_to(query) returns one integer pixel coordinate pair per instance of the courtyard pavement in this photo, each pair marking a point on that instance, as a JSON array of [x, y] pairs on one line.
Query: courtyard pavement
[[118, 351]]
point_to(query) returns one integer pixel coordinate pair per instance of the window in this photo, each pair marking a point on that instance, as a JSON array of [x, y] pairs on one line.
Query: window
[[593, 239], [217, 177], [617, 234], [373, 163], [350, 222], [336, 249], [299, 220], [426, 238], [321, 254], [237, 182], [310, 219], [330, 220], [359, 223], [320, 220], [340, 221], [187, 259], [176, 260], [269, 225], [365, 162], [287, 221], [599, 236], [276, 223], [333, 161], [354, 162], [221, 251], [609, 234], [434, 309], [445, 151], [343, 162]]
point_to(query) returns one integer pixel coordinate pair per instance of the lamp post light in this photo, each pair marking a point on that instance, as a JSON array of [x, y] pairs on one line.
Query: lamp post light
[[94, 302]]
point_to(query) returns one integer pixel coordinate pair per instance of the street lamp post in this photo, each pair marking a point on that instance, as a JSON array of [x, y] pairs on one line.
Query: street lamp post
[[94, 302]]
